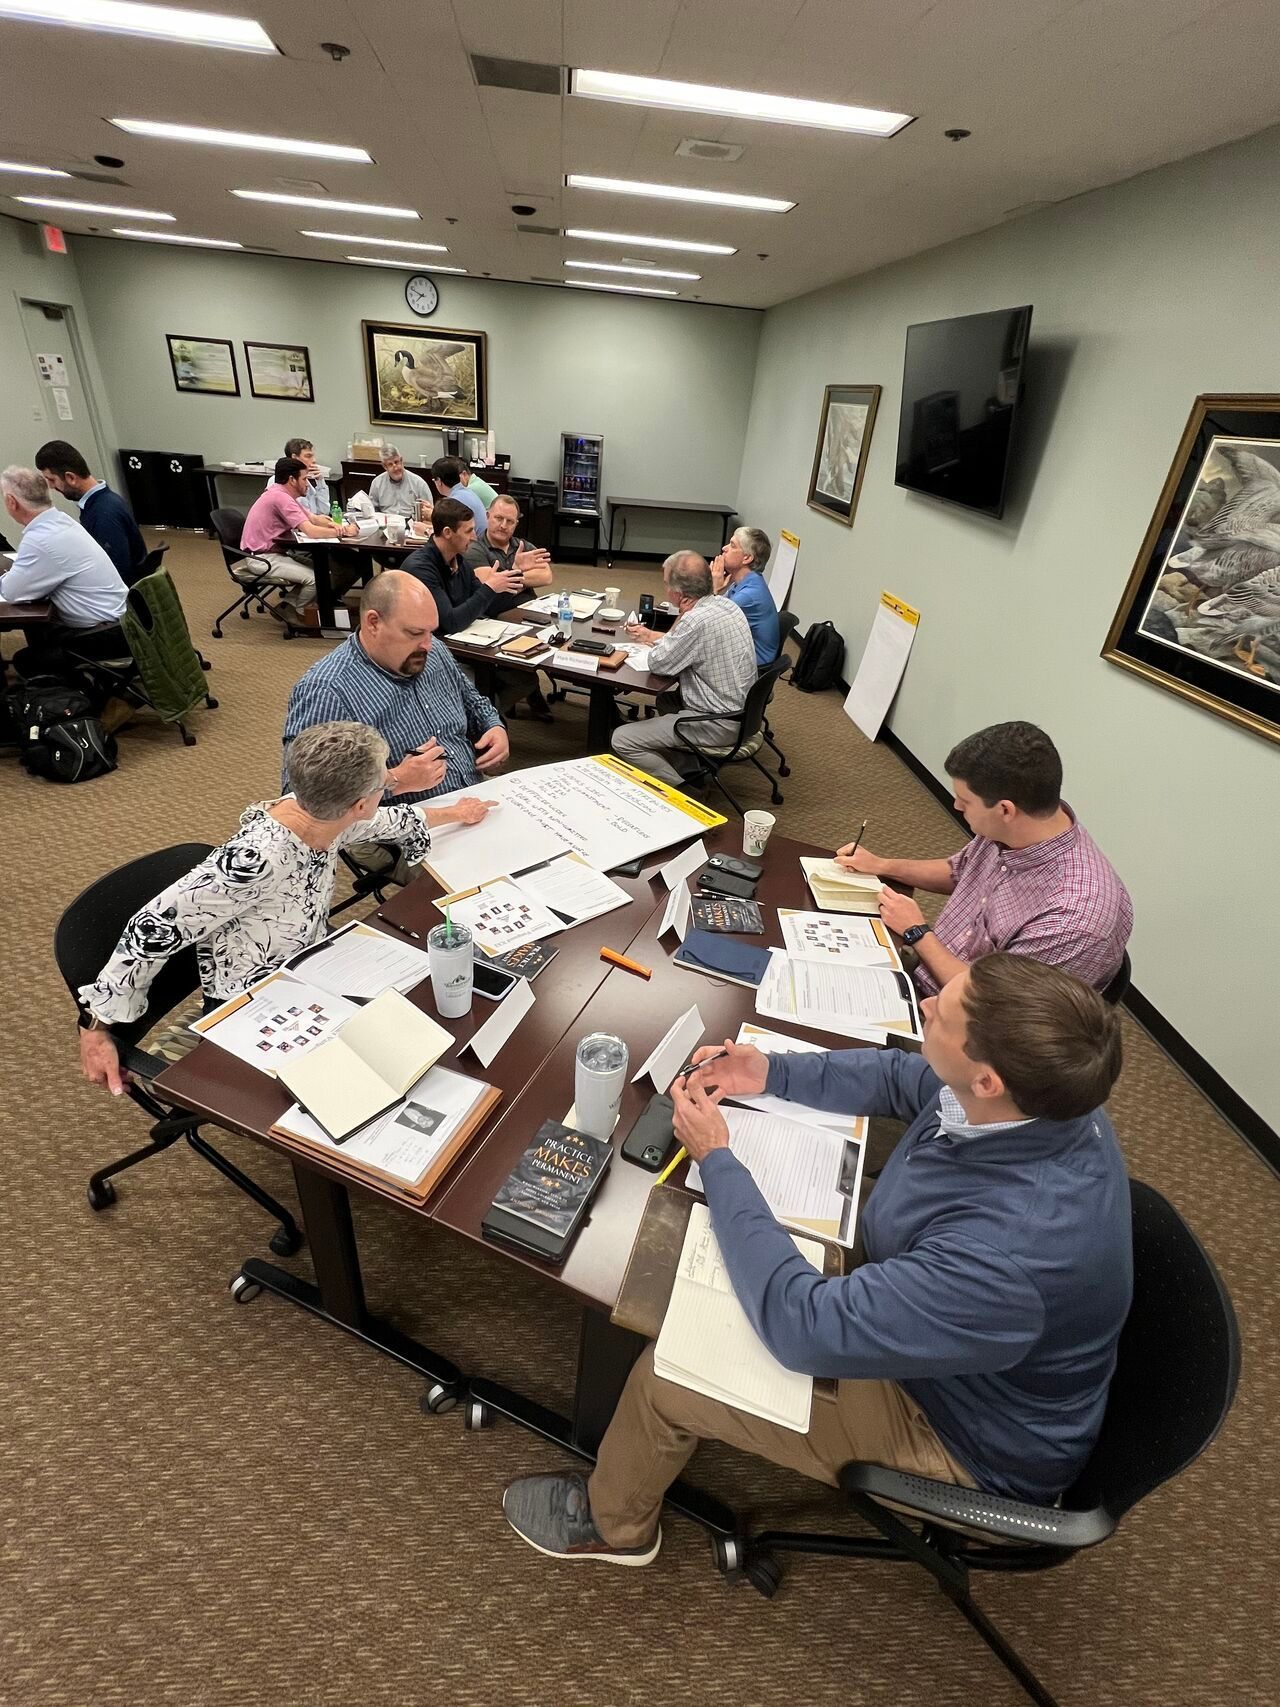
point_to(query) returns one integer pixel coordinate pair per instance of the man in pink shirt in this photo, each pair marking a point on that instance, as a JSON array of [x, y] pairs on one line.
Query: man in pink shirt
[[1032, 881], [268, 536]]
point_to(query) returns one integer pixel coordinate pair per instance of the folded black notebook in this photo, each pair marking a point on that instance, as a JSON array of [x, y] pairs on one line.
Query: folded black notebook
[[703, 951], [544, 1199]]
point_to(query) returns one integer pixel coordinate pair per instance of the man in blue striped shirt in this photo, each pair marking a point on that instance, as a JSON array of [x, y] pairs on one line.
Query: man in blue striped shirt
[[442, 734]]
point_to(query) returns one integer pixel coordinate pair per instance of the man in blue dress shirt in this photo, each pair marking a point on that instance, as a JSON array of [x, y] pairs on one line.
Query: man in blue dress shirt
[[976, 1342], [58, 561], [446, 477], [104, 513], [738, 573]]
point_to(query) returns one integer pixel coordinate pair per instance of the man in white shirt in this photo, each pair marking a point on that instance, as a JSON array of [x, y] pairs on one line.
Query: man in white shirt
[[399, 492], [60, 561]]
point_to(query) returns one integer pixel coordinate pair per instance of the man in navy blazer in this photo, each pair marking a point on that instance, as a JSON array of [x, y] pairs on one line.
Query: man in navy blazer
[[104, 513]]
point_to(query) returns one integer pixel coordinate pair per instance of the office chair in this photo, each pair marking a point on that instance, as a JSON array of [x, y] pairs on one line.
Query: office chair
[[83, 940], [746, 743], [788, 622], [364, 880], [1118, 988], [150, 563], [1176, 1372], [251, 583]]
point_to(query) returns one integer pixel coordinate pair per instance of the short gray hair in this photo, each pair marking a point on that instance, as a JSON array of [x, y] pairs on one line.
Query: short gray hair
[[688, 575], [332, 765], [755, 543], [387, 452], [506, 498], [26, 486]]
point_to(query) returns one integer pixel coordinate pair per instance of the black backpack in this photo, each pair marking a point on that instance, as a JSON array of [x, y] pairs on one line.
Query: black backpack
[[58, 737], [821, 656]]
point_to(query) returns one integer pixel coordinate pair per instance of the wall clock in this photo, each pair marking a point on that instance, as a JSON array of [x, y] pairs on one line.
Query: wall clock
[[421, 295]]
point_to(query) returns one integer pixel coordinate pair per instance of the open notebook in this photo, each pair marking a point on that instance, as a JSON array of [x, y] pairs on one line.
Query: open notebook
[[708, 1345], [839, 891], [367, 1067]]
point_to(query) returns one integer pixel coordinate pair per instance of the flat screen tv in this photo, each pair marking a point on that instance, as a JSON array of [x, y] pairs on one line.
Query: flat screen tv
[[961, 390]]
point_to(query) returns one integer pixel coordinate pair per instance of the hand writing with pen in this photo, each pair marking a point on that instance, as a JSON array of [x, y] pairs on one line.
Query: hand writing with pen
[[732, 1070]]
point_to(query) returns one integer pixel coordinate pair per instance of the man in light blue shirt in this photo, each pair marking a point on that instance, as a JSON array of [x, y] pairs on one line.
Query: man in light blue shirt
[[315, 500], [60, 561], [446, 477], [737, 573]]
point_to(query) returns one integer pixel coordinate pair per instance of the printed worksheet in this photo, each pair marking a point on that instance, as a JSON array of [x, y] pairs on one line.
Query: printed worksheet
[[837, 937]]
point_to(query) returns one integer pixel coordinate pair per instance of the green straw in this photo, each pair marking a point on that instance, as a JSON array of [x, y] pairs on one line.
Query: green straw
[[448, 928]]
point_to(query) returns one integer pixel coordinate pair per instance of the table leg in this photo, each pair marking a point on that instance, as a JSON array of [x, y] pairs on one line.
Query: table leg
[[337, 1296], [609, 551], [324, 586]]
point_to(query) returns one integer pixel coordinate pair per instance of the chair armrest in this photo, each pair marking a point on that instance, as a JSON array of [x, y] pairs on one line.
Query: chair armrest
[[687, 717], [970, 1508]]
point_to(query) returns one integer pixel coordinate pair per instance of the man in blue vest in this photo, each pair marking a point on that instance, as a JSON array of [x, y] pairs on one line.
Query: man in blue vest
[[104, 513]]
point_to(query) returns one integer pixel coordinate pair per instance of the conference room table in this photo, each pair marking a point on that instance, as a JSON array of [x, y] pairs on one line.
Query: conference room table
[[23, 616], [577, 993], [319, 551]]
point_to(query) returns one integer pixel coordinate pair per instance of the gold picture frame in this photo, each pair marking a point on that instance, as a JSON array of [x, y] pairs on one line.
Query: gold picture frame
[[840, 455], [1200, 614]]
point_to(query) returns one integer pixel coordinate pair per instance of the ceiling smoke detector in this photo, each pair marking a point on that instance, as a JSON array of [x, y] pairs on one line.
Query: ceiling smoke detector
[[694, 148]]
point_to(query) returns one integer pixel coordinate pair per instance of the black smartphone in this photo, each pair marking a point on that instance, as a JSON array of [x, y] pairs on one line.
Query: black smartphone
[[645, 608], [493, 983], [652, 1138], [597, 648], [735, 865], [725, 883]]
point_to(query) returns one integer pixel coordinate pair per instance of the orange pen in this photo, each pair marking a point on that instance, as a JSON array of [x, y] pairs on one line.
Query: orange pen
[[621, 960]]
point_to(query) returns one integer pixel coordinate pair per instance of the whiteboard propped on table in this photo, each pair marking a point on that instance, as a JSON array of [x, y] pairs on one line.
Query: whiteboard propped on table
[[778, 575], [884, 660]]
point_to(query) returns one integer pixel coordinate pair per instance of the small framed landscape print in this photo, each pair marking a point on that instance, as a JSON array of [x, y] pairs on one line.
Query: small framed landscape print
[[206, 365], [425, 379], [840, 459], [1201, 613], [280, 370]]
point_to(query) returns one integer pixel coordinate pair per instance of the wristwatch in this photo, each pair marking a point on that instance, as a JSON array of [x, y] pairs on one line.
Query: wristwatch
[[87, 1022], [911, 936]]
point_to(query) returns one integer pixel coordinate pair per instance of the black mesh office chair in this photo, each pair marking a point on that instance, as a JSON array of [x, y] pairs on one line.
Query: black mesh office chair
[[788, 622], [83, 940], [229, 525], [1176, 1373], [150, 563], [1118, 988], [747, 741]]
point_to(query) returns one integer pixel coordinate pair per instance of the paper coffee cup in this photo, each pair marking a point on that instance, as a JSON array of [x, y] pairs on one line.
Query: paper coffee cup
[[612, 595], [756, 830]]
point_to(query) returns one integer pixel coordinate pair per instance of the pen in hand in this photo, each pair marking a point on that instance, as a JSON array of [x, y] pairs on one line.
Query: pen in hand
[[694, 1065], [857, 839]]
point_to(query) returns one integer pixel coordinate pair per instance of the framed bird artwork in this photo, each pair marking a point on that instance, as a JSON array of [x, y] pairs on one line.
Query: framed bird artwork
[[425, 379], [1201, 613]]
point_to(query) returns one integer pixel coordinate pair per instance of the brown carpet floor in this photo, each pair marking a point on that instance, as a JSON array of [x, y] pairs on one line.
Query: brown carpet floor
[[210, 1504]]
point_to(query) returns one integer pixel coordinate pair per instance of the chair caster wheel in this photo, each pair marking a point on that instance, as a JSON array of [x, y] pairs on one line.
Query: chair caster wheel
[[244, 1290], [100, 1194], [784, 770], [188, 740], [286, 1241], [476, 1415], [216, 633], [289, 633], [764, 1573], [244, 615], [211, 702], [440, 1398], [726, 1550]]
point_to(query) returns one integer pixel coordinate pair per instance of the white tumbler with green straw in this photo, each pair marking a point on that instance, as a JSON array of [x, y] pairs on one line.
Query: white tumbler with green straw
[[452, 961]]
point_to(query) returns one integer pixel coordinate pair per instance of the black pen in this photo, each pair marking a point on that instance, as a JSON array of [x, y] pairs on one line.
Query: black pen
[[861, 833], [403, 929], [684, 1072]]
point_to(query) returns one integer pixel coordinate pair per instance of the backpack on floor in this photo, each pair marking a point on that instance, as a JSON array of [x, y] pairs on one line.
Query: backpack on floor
[[821, 656], [58, 736]]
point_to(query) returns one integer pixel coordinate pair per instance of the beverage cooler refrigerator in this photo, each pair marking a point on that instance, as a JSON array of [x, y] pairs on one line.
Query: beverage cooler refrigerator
[[580, 500]]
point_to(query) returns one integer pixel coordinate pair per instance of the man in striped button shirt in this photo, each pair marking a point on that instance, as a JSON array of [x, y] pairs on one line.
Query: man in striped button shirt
[[1032, 881], [442, 733]]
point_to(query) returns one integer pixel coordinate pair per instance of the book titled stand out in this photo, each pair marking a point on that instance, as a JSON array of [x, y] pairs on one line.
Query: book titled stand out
[[542, 1203]]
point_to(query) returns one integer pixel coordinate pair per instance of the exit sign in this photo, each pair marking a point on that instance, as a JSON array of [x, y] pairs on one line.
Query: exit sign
[[55, 240]]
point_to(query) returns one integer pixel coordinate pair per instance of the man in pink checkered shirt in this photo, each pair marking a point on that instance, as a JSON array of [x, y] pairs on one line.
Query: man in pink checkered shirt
[[1032, 881]]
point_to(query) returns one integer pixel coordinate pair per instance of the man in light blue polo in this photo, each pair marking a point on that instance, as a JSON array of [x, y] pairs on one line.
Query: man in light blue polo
[[446, 477], [59, 561]]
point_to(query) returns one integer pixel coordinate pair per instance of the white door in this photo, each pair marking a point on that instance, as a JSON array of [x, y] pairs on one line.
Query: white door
[[67, 405]]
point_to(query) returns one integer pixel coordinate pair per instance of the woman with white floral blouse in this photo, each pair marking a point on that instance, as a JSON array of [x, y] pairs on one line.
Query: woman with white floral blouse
[[264, 894]]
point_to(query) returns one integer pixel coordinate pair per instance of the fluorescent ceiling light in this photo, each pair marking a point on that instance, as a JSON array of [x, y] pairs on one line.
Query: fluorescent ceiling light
[[647, 272], [678, 193], [243, 139], [384, 261], [33, 171], [734, 103], [375, 242], [93, 207], [171, 237], [650, 242], [631, 290], [326, 202], [164, 23]]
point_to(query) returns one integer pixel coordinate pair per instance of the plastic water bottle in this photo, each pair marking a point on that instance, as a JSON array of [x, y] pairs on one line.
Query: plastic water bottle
[[335, 513], [564, 616]]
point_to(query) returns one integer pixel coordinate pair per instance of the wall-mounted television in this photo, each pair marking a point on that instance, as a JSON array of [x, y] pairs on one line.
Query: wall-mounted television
[[961, 391]]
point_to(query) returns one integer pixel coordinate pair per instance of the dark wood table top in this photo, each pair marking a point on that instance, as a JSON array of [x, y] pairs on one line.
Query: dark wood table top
[[370, 545], [624, 680], [18, 616], [671, 504]]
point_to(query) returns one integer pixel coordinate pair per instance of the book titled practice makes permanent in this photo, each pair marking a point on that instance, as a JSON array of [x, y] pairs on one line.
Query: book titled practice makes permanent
[[544, 1199]]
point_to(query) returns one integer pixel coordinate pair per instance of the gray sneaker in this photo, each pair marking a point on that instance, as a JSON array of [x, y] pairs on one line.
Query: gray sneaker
[[553, 1514]]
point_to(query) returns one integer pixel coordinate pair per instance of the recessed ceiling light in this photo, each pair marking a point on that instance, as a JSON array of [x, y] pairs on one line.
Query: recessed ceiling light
[[630, 290], [164, 23], [33, 171], [243, 139], [650, 242], [618, 267], [327, 202], [93, 207], [377, 242], [734, 103], [678, 193], [386, 261], [171, 237]]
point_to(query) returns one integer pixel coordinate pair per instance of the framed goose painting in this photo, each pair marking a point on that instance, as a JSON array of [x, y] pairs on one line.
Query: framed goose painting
[[425, 379], [1201, 613]]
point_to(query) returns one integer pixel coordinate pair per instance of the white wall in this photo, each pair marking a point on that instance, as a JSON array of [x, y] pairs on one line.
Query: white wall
[[1144, 295], [668, 384]]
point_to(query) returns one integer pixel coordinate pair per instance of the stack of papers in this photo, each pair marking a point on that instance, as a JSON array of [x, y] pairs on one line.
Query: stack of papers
[[585, 604], [839, 891], [547, 605], [836, 938], [275, 1021], [808, 1175], [778, 1043], [507, 912], [359, 962], [866, 1002]]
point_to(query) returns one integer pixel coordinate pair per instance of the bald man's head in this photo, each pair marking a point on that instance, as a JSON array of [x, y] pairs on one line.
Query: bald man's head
[[398, 616]]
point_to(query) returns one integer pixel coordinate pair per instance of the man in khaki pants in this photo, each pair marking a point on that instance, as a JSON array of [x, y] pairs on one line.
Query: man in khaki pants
[[977, 1342]]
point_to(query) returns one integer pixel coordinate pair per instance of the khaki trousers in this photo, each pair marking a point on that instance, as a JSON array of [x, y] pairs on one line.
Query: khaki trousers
[[657, 1426]]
